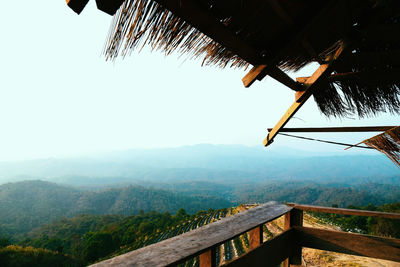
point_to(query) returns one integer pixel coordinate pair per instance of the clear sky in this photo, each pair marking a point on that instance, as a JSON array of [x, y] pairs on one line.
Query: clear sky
[[59, 97]]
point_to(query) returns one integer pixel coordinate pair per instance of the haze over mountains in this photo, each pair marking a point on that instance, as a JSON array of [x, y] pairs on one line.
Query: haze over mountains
[[214, 163]]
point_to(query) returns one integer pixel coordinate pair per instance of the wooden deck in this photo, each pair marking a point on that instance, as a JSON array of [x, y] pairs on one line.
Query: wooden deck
[[286, 247], [188, 245]]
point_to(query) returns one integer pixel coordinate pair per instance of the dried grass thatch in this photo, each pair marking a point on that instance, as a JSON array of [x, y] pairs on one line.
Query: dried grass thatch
[[371, 26], [141, 22], [145, 22], [388, 143], [366, 79]]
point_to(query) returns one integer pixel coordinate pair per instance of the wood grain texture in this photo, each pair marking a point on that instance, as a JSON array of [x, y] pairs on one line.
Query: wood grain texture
[[349, 243], [388, 215], [180, 248], [269, 254], [310, 84], [208, 259], [257, 72], [255, 237]]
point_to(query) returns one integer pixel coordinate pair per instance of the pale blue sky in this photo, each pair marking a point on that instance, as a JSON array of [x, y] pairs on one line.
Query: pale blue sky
[[59, 97]]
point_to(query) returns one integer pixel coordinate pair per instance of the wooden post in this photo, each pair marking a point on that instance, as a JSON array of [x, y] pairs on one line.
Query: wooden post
[[256, 237], [208, 258], [294, 218]]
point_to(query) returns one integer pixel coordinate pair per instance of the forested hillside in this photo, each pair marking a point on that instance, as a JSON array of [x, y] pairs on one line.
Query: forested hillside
[[89, 238], [26, 205]]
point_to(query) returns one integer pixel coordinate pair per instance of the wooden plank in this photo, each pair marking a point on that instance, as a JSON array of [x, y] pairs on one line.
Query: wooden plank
[[269, 254], [335, 129], [255, 237], [310, 85], [208, 258], [275, 73], [349, 243], [388, 215], [188, 245], [258, 72], [294, 218]]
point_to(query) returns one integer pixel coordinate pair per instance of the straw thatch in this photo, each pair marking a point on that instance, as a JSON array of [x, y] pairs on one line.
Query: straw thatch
[[141, 22], [304, 32], [371, 75], [388, 143]]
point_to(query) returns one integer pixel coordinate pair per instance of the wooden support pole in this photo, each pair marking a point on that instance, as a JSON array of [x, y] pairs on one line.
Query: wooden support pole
[[208, 258], [256, 237], [336, 129], [310, 84], [293, 218]]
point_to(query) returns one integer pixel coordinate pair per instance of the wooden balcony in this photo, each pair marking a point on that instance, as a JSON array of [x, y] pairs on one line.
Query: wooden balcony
[[284, 248]]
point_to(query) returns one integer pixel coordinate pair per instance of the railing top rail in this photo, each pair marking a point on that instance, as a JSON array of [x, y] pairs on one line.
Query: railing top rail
[[177, 249], [388, 215]]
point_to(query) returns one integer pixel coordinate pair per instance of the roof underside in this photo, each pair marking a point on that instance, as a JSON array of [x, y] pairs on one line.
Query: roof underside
[[283, 35]]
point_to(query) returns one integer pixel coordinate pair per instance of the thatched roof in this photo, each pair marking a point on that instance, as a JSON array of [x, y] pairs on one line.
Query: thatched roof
[[287, 34], [356, 43], [388, 143]]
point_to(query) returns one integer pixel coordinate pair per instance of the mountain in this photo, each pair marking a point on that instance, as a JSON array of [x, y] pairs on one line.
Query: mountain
[[228, 164], [29, 204]]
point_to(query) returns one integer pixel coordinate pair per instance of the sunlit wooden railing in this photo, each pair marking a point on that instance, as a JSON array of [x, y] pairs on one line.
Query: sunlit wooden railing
[[284, 248]]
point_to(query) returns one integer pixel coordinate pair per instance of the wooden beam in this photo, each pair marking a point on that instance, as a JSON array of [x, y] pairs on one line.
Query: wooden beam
[[269, 254], [387, 215], [335, 129], [202, 20], [294, 218], [310, 85], [208, 258], [256, 237], [275, 73], [349, 243], [180, 248], [258, 72]]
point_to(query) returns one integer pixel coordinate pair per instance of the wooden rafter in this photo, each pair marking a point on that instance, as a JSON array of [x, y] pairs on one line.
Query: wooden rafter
[[335, 129], [205, 22], [310, 84], [258, 72]]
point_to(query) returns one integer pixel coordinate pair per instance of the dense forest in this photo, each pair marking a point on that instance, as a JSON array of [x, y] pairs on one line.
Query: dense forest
[[26, 205], [30, 204]]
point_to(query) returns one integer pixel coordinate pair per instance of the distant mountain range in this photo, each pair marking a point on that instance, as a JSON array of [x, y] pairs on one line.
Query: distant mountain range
[[216, 163]]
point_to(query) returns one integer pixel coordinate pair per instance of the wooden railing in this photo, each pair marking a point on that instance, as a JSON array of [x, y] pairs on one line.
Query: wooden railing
[[285, 247]]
